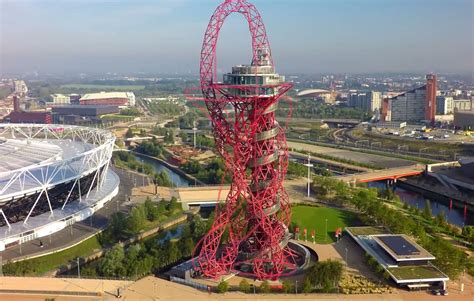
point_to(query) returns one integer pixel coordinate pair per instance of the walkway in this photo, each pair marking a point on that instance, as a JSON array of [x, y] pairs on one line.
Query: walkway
[[385, 174], [35, 288]]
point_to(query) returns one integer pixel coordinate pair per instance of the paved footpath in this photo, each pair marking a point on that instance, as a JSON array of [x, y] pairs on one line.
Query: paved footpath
[[36, 288], [151, 288]]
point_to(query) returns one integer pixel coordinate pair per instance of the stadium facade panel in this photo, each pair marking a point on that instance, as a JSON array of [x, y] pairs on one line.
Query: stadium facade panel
[[51, 176]]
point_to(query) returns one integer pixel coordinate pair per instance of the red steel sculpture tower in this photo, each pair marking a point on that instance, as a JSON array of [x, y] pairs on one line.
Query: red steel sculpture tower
[[250, 231]]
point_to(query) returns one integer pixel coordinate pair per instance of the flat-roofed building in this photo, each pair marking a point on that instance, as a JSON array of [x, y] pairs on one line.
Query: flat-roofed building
[[407, 263], [20, 87], [464, 119], [366, 101], [444, 105], [462, 104], [60, 99], [81, 114], [416, 105]]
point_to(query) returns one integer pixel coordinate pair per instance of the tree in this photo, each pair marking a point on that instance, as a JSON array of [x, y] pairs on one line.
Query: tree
[[441, 219], [265, 287], [222, 287], [117, 229], [136, 220], [325, 274], [198, 227], [163, 179], [169, 137], [427, 210], [112, 263], [183, 136], [174, 252], [186, 245], [174, 206], [307, 286], [151, 211], [129, 133], [244, 286]]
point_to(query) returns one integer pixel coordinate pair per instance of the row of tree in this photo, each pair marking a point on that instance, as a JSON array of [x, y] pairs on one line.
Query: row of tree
[[151, 255], [122, 227]]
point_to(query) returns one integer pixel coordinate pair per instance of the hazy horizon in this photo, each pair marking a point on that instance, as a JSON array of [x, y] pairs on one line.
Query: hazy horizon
[[312, 37]]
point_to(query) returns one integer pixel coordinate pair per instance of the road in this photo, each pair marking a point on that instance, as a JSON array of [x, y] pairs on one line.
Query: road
[[377, 160]]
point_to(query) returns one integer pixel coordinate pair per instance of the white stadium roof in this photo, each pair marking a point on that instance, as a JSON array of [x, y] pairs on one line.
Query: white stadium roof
[[17, 154], [105, 95], [312, 91]]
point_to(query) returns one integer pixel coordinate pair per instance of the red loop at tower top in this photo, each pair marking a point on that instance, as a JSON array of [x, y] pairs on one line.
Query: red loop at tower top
[[261, 53]]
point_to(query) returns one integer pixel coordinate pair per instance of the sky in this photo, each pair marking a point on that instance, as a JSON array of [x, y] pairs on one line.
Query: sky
[[306, 36]]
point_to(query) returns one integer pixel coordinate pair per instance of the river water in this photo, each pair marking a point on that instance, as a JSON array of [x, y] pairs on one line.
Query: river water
[[454, 216], [176, 179]]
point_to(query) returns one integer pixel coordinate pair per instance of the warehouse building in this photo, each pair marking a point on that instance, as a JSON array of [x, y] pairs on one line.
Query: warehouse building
[[81, 114], [464, 119]]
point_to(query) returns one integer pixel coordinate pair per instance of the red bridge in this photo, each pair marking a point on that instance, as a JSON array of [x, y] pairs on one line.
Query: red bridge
[[385, 174]]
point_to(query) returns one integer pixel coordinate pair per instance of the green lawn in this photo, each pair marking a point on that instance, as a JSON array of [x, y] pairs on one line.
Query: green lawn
[[4, 92], [104, 87], [47, 263], [416, 272], [117, 116], [315, 218], [368, 231]]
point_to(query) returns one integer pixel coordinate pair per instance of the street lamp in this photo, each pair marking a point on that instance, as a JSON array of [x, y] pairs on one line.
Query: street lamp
[[326, 233], [309, 165], [194, 133], [78, 268]]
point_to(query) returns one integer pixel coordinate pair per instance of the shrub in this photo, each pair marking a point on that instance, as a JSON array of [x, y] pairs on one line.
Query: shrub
[[287, 286], [222, 287], [265, 287], [307, 286], [244, 286]]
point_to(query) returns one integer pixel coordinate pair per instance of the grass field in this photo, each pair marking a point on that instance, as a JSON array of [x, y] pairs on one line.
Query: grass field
[[47, 263], [367, 231], [125, 88], [416, 272], [315, 218], [4, 92], [117, 116]]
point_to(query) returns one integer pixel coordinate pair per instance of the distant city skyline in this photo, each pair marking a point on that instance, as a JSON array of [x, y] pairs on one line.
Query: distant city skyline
[[312, 36]]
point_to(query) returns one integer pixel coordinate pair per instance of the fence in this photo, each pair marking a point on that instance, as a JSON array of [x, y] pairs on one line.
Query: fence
[[193, 284]]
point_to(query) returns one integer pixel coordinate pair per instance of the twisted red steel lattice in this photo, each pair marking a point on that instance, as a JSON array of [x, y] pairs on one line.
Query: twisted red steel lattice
[[250, 230]]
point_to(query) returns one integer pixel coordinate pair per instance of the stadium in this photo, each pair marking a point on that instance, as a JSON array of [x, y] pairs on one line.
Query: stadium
[[51, 176]]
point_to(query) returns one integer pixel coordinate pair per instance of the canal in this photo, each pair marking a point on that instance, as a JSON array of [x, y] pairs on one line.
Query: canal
[[176, 179], [454, 216]]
